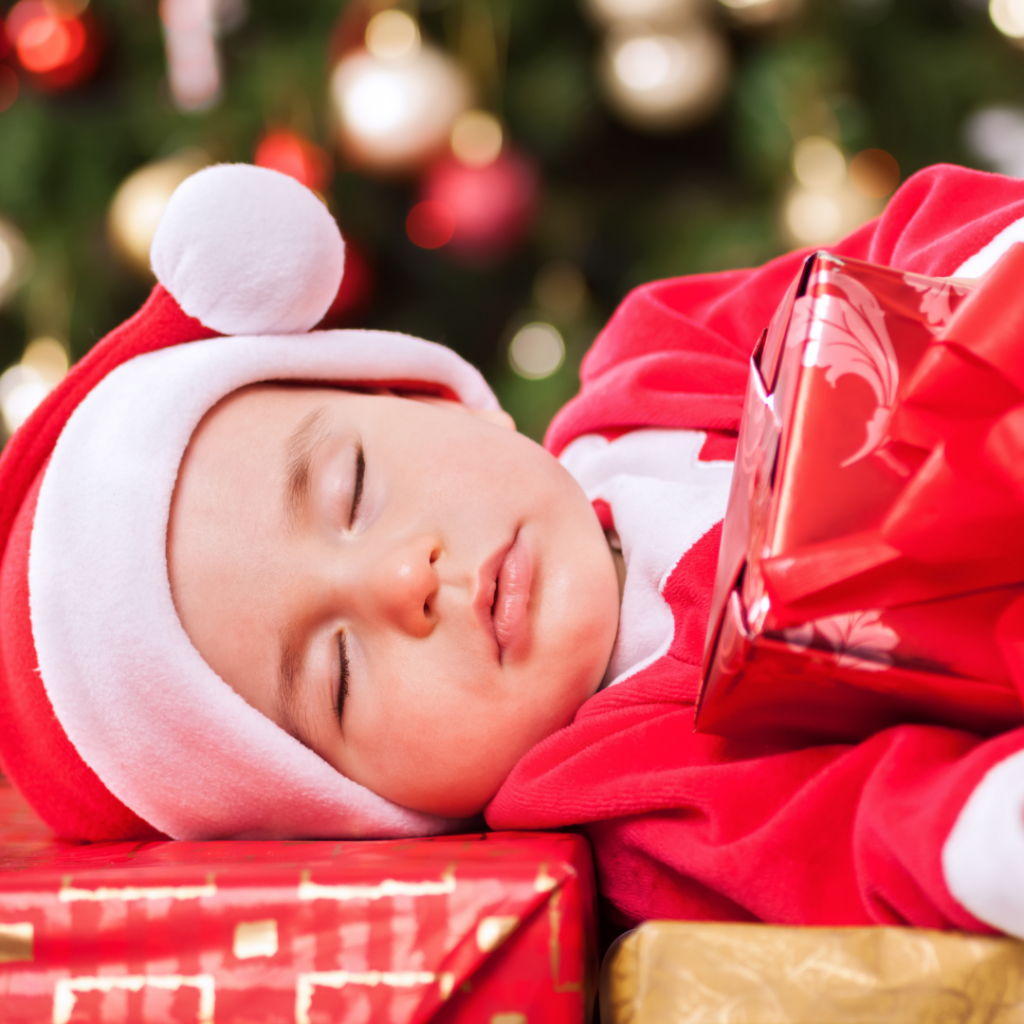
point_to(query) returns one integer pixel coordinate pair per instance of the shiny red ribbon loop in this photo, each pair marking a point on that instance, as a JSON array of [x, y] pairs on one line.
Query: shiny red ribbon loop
[[965, 502]]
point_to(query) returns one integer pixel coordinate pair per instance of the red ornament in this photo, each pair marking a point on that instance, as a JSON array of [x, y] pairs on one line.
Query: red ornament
[[58, 51], [291, 154], [430, 224], [354, 294], [490, 208]]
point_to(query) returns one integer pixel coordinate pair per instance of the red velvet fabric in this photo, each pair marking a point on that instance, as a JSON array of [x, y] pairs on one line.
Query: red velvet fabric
[[35, 751], [695, 826], [37, 755]]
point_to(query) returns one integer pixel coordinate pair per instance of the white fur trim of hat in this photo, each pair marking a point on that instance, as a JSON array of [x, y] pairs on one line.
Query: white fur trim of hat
[[256, 256]]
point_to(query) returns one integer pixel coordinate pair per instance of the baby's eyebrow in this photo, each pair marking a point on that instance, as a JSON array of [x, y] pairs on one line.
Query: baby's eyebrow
[[300, 448]]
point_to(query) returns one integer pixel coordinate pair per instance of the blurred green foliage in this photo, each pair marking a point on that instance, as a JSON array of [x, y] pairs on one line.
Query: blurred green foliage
[[624, 207]]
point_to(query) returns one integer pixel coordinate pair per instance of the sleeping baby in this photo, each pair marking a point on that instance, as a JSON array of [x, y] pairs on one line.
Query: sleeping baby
[[260, 580]]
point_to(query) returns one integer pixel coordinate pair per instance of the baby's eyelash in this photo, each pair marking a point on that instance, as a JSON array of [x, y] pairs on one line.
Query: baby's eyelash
[[339, 706], [357, 493]]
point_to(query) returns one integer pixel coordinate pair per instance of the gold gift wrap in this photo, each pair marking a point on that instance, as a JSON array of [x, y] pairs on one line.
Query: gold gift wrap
[[671, 972]]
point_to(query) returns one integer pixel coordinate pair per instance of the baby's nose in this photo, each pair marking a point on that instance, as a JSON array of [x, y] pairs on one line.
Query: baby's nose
[[404, 583]]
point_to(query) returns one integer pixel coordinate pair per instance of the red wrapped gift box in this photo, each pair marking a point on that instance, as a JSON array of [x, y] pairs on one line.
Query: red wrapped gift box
[[495, 928], [873, 550]]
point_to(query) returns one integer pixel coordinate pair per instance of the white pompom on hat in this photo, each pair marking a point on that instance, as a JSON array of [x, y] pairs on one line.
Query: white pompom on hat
[[113, 725], [245, 250]]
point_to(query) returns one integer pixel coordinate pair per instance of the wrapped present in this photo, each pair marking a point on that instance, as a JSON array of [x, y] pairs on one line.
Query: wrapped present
[[495, 928], [872, 554], [701, 973]]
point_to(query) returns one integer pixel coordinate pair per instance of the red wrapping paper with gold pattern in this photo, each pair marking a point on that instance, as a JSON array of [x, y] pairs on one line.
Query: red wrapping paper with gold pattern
[[495, 928], [872, 560]]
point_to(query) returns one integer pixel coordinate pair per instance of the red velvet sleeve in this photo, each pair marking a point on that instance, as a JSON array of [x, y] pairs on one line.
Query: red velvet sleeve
[[694, 826]]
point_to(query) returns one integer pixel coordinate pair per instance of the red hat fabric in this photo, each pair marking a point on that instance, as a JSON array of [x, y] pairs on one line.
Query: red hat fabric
[[113, 725]]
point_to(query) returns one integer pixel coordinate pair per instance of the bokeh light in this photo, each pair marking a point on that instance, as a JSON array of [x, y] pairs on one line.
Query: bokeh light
[[430, 224], [48, 357], [995, 135], [492, 205], [648, 12], [392, 35], [295, 156], [21, 391], [813, 218], [193, 60], [818, 163], [761, 12], [47, 42], [139, 204], [1008, 17], [55, 43], [15, 258], [560, 290], [24, 385], [477, 138], [664, 81], [828, 198], [874, 173], [536, 351], [394, 115]]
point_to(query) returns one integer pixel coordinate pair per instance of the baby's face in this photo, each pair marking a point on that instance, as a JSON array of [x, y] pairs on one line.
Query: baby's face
[[416, 592]]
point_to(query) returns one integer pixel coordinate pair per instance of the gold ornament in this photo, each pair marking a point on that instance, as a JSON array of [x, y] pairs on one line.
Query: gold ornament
[[139, 203], [664, 81]]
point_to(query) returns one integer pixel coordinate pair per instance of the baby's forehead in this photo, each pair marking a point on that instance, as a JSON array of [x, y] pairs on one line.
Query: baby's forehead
[[248, 451], [314, 393], [229, 472]]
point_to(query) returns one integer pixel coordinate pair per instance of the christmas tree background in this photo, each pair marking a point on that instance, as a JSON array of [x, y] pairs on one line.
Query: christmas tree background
[[618, 205]]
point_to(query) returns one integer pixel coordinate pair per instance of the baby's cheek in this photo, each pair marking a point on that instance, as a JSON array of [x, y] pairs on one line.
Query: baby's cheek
[[436, 748]]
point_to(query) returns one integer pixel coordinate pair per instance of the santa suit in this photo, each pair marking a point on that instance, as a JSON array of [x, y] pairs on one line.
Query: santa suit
[[918, 824]]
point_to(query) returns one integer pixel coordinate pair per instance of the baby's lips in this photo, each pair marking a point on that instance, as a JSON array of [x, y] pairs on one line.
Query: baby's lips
[[486, 592], [511, 604]]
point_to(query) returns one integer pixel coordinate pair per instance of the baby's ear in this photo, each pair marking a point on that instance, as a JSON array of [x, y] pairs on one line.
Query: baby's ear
[[496, 416]]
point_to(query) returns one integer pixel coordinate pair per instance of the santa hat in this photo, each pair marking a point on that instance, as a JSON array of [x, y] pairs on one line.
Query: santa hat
[[112, 724]]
